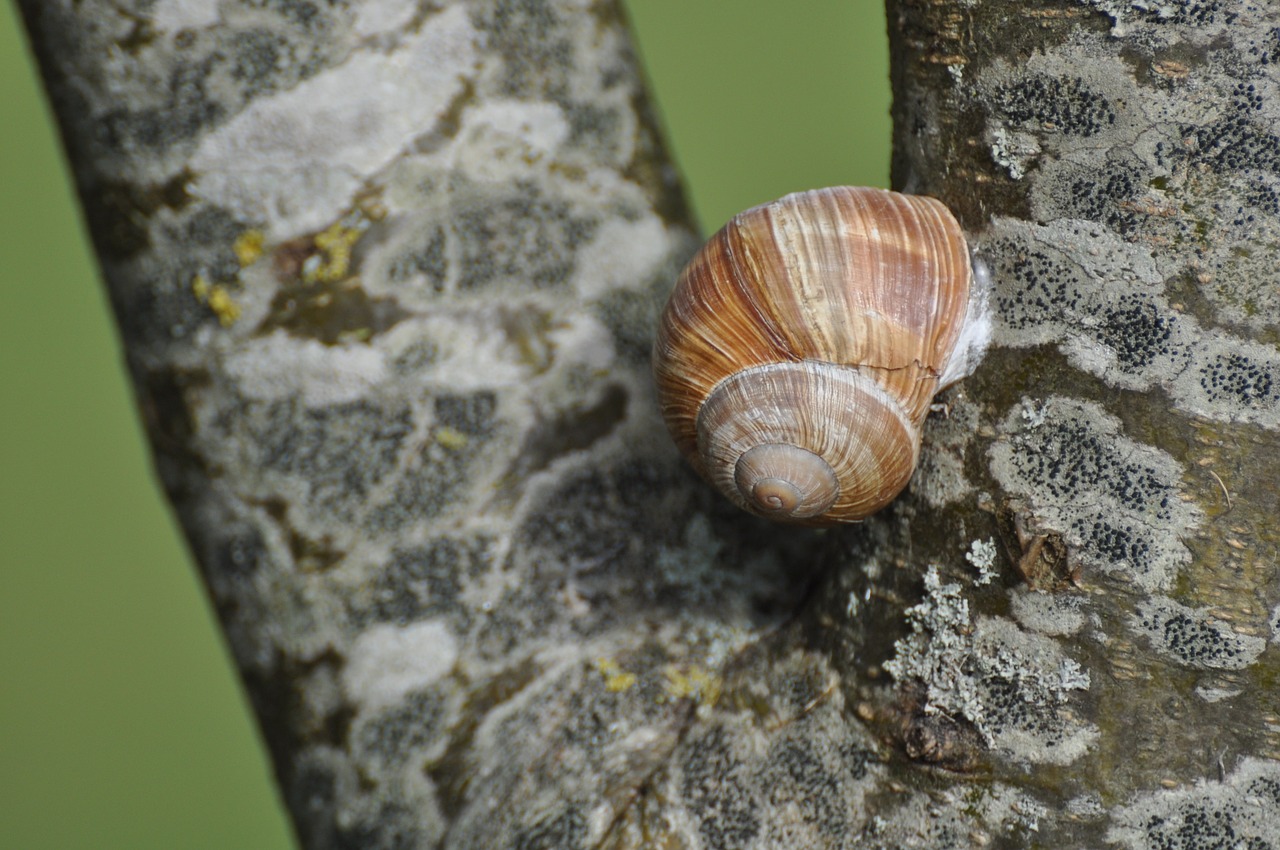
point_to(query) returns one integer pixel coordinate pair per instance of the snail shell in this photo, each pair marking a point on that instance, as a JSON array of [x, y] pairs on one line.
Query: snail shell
[[800, 350]]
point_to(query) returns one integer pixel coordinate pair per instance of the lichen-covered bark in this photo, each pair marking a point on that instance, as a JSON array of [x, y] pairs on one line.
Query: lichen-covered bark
[[1091, 650], [386, 272]]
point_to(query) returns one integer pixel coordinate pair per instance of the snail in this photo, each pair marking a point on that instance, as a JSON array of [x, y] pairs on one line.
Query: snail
[[801, 348]]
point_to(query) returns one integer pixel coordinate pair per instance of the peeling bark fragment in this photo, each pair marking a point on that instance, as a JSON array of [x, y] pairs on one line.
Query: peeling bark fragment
[[934, 738], [1041, 559]]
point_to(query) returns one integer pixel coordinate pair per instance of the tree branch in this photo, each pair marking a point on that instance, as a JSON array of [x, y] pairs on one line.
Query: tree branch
[[387, 278]]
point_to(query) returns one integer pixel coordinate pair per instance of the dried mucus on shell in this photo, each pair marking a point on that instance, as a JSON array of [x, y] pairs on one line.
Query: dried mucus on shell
[[803, 344]]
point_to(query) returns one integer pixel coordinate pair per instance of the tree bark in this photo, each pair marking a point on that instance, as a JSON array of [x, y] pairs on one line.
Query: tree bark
[[387, 276]]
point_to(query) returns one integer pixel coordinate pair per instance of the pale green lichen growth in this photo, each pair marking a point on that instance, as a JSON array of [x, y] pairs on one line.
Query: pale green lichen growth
[[938, 647], [982, 557], [1013, 686]]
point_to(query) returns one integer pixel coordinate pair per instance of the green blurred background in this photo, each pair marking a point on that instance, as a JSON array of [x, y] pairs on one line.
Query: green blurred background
[[121, 720]]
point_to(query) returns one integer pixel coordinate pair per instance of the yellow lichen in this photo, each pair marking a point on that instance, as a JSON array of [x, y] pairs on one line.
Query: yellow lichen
[[218, 298], [451, 439], [200, 288], [248, 247], [693, 683], [616, 679], [355, 335], [335, 244], [223, 306]]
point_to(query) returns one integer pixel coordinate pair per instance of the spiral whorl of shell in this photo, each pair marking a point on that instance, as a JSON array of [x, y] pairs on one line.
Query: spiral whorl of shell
[[820, 322]]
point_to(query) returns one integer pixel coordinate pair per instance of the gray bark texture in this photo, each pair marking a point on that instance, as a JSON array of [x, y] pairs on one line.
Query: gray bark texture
[[387, 274]]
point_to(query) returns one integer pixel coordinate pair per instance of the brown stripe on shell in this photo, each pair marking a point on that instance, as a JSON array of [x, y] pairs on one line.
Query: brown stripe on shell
[[864, 277]]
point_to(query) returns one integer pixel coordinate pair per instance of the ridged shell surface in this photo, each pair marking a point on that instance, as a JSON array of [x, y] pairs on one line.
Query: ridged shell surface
[[858, 460], [863, 278]]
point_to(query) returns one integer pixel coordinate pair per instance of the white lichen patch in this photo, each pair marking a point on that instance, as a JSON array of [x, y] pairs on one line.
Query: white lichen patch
[[499, 346], [1006, 808], [322, 139], [1242, 810], [983, 556], [502, 135], [1231, 379], [1185, 173], [374, 17], [964, 816], [174, 15], [462, 230], [1099, 299], [386, 662], [1013, 686], [1054, 614], [584, 343], [1014, 150], [1086, 806], [1210, 693], [624, 254], [940, 478], [1058, 279], [729, 776], [1116, 502], [1193, 637], [1025, 682], [1040, 104], [1150, 20], [281, 366]]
